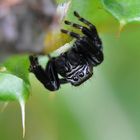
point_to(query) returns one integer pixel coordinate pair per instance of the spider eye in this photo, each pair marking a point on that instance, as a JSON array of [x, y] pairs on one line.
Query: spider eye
[[75, 78], [81, 74]]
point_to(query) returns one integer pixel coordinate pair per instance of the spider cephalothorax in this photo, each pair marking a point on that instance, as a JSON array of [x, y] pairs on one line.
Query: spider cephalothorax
[[76, 64]]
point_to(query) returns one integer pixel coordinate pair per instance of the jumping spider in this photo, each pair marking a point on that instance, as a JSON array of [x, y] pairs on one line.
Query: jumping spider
[[76, 64]]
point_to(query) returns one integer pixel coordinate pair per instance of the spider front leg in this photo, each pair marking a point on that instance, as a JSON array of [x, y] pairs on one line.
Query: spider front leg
[[96, 38], [48, 77], [86, 22], [91, 32]]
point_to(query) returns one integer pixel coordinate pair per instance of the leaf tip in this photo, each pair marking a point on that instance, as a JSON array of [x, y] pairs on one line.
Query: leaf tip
[[121, 26], [22, 105]]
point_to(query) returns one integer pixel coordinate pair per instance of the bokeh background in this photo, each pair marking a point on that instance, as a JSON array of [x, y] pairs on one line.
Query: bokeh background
[[106, 107]]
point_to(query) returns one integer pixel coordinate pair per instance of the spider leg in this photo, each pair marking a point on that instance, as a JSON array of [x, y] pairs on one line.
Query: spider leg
[[48, 77], [84, 30], [90, 52], [85, 21], [72, 34], [51, 72], [96, 39]]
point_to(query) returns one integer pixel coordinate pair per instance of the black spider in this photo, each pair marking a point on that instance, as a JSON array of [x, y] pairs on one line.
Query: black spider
[[76, 64]]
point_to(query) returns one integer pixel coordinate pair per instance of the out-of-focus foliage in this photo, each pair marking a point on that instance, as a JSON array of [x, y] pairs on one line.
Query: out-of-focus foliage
[[106, 107], [23, 24]]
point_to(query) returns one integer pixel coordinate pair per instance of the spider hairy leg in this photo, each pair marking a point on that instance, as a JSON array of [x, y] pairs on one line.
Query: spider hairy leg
[[72, 34], [84, 30]]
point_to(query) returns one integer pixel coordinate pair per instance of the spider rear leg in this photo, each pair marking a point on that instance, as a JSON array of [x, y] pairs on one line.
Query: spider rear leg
[[48, 77]]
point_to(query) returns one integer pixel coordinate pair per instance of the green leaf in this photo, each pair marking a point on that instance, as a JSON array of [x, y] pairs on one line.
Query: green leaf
[[123, 10], [14, 83], [12, 88], [18, 65]]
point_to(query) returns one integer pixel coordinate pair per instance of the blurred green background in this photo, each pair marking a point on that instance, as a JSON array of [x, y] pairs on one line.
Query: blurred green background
[[106, 107]]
